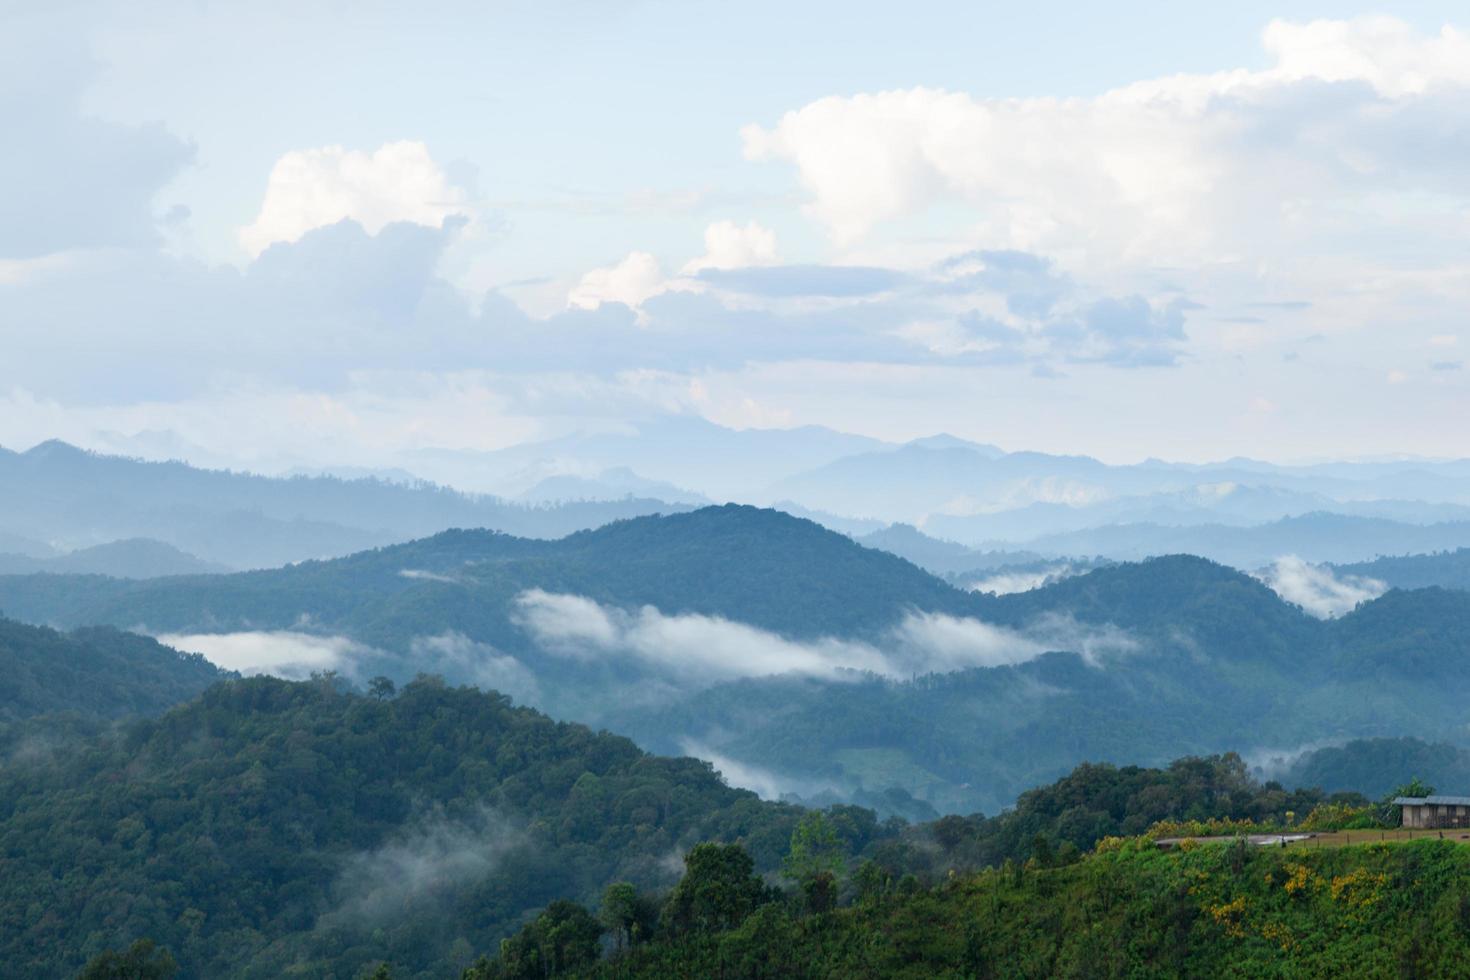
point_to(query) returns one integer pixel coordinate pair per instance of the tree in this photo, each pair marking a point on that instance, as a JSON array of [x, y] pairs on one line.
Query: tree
[[625, 914], [718, 890], [141, 961], [815, 849], [381, 688], [562, 938]]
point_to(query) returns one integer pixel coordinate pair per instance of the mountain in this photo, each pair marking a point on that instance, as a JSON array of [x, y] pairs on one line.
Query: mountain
[[269, 829], [97, 672], [1449, 569], [134, 558], [939, 556], [687, 451], [72, 497], [615, 484], [1375, 767], [978, 495], [690, 632], [1317, 537]]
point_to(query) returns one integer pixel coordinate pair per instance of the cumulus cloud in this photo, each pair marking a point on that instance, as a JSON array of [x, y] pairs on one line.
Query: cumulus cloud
[[630, 282], [731, 246], [281, 653], [1183, 168], [318, 187], [700, 650], [1316, 588], [431, 858]]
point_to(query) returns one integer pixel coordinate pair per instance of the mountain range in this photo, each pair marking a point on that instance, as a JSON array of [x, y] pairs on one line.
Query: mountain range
[[808, 665]]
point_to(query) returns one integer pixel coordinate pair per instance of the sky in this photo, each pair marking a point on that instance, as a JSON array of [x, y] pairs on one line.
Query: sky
[[340, 232]]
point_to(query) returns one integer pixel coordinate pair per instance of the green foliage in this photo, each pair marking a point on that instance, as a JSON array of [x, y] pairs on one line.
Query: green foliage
[[270, 827], [562, 939], [815, 849], [718, 890], [1377, 766], [140, 961], [1128, 911], [97, 672]]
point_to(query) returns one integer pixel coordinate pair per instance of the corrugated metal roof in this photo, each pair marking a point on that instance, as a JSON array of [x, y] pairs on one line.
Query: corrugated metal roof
[[1408, 800], [1432, 800]]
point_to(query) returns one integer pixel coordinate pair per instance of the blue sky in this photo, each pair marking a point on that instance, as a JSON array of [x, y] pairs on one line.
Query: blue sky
[[1128, 230]]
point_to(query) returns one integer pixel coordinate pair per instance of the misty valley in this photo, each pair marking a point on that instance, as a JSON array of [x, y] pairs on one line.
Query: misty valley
[[567, 740]]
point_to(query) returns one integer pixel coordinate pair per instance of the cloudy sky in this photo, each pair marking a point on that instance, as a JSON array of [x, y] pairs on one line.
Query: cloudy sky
[[341, 231]]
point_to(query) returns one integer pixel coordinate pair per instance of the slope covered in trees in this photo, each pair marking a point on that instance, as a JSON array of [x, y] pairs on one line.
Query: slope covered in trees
[[272, 827], [1447, 569], [1129, 911], [97, 672], [1374, 766]]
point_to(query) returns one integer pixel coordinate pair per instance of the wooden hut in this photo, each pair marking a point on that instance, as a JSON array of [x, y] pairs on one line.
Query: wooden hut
[[1431, 812]]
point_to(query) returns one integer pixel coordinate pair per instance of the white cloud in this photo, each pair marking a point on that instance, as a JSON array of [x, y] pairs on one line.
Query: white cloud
[[939, 643], [632, 281], [281, 653], [1188, 168], [698, 649], [731, 246], [1316, 589], [455, 654], [314, 188]]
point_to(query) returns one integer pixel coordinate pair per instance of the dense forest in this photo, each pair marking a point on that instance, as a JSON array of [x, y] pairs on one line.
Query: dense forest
[[271, 828], [1130, 910], [98, 672], [1447, 569]]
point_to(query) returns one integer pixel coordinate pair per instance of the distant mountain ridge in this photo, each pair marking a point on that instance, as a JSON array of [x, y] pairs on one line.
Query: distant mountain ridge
[[133, 558], [63, 494]]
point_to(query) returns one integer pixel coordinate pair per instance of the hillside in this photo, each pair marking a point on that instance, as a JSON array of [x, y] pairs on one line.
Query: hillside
[[1131, 911], [96, 672], [760, 567], [1375, 766], [270, 828], [1446, 569], [689, 632], [134, 558], [62, 494]]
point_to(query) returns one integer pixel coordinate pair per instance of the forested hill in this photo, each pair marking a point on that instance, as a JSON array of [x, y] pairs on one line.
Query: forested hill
[[273, 828], [1448, 569], [98, 672], [760, 567]]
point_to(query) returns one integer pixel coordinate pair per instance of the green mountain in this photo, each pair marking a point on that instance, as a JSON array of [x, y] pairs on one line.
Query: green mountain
[[271, 828], [97, 672], [1447, 569], [694, 633], [1375, 766]]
